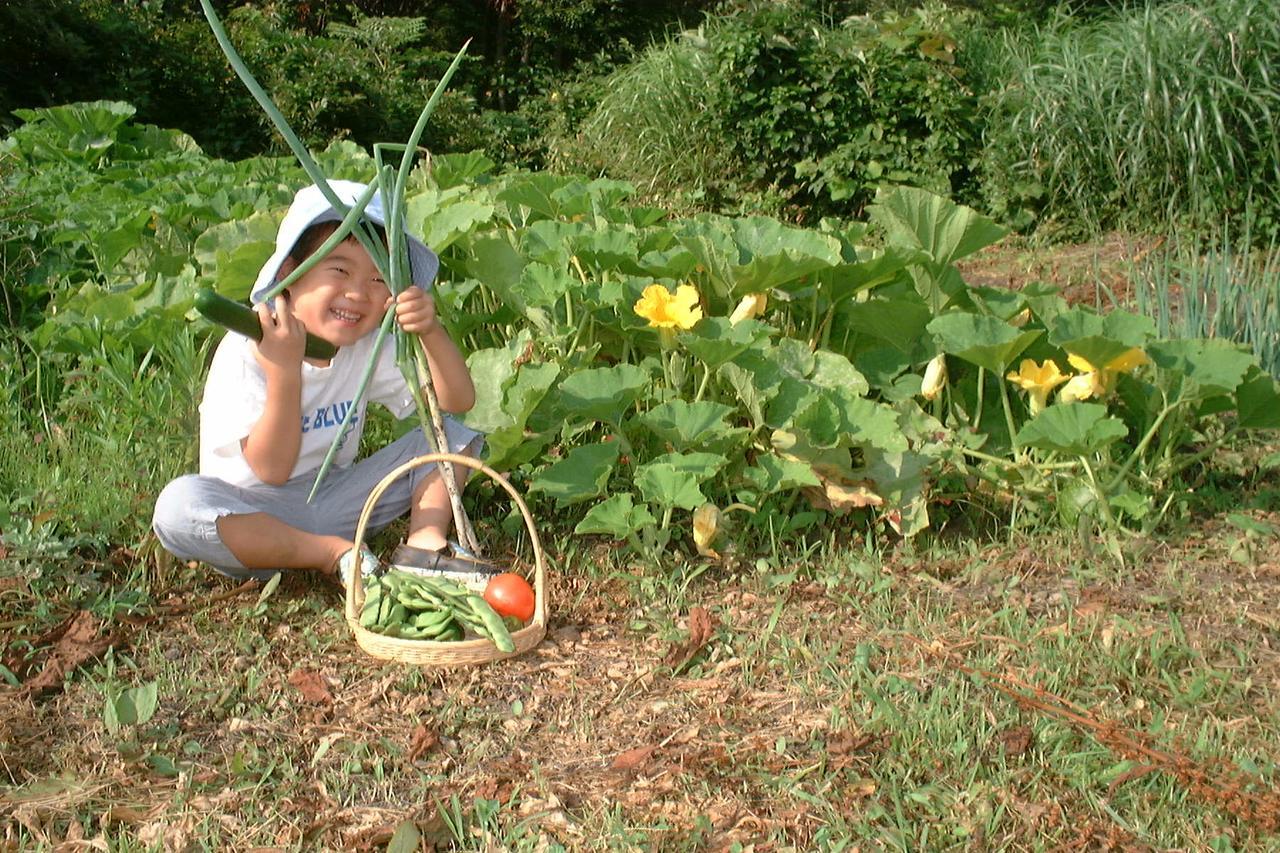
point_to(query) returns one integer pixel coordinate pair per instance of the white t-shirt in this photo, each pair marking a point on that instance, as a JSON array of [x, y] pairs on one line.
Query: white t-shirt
[[235, 394]]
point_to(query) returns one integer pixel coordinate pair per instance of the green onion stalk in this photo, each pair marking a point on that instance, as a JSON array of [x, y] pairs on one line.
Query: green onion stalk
[[391, 260]]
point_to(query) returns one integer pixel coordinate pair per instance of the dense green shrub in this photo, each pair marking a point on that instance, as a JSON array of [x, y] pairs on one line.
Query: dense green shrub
[[1165, 113], [773, 100]]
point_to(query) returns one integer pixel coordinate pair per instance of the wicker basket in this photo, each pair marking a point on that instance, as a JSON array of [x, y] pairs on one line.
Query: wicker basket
[[460, 652]]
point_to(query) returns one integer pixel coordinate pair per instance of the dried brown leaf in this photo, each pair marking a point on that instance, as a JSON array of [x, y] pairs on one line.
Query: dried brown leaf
[[1017, 740], [633, 759], [422, 741], [312, 687], [78, 643], [701, 628]]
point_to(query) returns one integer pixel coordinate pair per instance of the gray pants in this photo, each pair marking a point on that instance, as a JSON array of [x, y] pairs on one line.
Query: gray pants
[[188, 509]]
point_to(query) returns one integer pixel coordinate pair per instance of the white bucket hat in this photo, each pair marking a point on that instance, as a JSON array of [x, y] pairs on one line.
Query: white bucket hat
[[309, 207]]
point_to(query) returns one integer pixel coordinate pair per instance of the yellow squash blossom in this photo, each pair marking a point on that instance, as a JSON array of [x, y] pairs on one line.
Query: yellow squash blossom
[[1098, 381], [706, 523], [666, 310], [1080, 387], [752, 305], [1038, 380], [935, 377]]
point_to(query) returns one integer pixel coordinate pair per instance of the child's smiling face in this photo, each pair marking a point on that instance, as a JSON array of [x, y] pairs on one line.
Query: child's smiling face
[[342, 298]]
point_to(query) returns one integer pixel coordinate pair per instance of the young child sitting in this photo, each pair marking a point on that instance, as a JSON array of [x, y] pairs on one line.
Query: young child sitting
[[269, 416]]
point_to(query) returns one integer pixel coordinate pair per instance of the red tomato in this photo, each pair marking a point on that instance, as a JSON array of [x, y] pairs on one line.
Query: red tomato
[[510, 595]]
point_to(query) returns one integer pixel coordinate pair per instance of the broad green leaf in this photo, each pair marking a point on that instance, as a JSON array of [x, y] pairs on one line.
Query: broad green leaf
[[676, 263], [1072, 428], [531, 385], [406, 839], [542, 286], [919, 219], [755, 254], [872, 269], [535, 191], [1215, 366], [686, 424], [772, 473], [702, 466], [547, 241], [1121, 327], [900, 320], [512, 446], [449, 170], [899, 478], [608, 249], [667, 486], [440, 218], [498, 266], [491, 370], [842, 420], [1257, 402], [716, 341], [616, 516], [751, 390], [602, 393], [832, 370], [581, 475], [980, 339], [231, 253]]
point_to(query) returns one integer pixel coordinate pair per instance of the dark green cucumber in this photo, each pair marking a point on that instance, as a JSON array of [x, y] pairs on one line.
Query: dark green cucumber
[[239, 317]]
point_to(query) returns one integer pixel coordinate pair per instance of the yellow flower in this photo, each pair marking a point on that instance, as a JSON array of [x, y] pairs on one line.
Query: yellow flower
[[1103, 378], [665, 310], [1080, 387], [935, 377], [1038, 380], [706, 522], [752, 305]]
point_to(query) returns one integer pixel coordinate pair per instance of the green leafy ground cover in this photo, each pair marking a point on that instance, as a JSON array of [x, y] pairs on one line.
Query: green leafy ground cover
[[830, 676]]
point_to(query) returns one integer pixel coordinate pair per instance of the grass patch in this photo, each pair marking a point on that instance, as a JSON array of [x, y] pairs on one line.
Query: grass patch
[[1162, 113]]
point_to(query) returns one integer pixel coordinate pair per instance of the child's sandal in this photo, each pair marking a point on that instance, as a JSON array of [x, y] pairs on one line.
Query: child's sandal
[[451, 562]]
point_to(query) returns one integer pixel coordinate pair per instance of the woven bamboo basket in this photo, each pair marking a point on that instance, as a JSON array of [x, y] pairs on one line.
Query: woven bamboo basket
[[460, 652]]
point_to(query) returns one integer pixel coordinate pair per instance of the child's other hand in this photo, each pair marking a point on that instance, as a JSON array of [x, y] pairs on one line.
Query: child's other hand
[[284, 338], [416, 311]]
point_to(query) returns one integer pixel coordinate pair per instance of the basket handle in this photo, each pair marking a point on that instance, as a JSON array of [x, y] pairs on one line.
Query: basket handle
[[355, 591]]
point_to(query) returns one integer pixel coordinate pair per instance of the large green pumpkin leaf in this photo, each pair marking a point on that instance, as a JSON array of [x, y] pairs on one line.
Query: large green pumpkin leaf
[[582, 474], [873, 269], [946, 231], [686, 425], [716, 341], [1257, 402], [1072, 428], [616, 516], [772, 473], [982, 340], [498, 266], [900, 320], [755, 254], [231, 253], [1123, 328], [667, 486], [703, 466], [441, 217], [1215, 366], [602, 393]]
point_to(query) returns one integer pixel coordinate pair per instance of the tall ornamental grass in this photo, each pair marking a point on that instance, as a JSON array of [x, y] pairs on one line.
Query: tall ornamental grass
[[653, 124], [1164, 113]]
